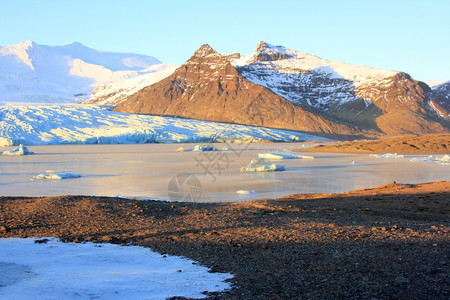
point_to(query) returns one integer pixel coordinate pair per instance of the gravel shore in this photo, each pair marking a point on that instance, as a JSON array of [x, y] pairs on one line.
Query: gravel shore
[[389, 242]]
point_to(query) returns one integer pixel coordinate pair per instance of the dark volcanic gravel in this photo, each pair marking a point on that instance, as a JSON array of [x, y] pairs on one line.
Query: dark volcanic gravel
[[390, 242]]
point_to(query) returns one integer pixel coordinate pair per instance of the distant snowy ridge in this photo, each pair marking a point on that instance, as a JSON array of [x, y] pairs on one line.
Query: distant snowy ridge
[[30, 72], [114, 93], [277, 67], [92, 124]]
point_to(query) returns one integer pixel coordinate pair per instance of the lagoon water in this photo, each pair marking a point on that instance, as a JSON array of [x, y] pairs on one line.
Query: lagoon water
[[149, 171]]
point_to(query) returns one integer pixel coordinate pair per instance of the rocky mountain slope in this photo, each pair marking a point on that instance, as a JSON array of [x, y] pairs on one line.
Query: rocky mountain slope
[[208, 87], [30, 72], [387, 101]]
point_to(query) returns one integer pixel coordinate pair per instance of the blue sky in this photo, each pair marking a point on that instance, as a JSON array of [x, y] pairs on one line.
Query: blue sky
[[410, 35]]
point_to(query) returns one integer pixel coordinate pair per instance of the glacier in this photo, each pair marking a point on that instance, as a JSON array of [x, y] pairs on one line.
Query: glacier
[[97, 124]]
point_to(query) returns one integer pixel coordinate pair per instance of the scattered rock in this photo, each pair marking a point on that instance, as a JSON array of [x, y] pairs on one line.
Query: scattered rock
[[41, 241], [4, 228]]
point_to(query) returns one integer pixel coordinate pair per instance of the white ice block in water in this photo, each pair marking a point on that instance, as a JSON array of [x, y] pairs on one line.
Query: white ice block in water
[[200, 148], [284, 155], [261, 165], [387, 155], [443, 160], [21, 150], [56, 176], [244, 192]]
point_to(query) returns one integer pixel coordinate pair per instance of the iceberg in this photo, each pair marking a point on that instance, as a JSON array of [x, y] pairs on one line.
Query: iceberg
[[444, 160], [244, 192], [21, 150], [56, 176], [199, 148], [284, 155], [261, 165], [387, 155]]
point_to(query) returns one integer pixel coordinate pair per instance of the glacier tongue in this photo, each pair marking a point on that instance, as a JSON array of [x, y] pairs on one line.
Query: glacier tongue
[[93, 124]]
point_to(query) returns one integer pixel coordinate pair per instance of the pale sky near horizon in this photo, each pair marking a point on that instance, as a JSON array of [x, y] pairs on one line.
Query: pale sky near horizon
[[405, 35]]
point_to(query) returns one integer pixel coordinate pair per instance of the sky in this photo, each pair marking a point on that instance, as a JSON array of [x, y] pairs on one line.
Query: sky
[[405, 35]]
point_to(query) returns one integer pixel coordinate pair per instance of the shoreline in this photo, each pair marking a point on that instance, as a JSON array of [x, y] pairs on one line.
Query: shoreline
[[385, 242], [430, 144]]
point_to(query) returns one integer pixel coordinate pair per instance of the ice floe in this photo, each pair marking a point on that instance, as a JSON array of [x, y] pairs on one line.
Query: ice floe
[[284, 155], [21, 150], [387, 155], [261, 165], [55, 176], [245, 192], [444, 160]]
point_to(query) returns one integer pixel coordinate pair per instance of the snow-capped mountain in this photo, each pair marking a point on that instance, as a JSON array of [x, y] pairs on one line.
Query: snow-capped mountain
[[115, 93], [30, 72], [388, 101], [208, 87]]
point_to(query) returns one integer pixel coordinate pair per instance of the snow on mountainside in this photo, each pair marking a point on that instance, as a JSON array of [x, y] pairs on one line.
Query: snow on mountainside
[[277, 67], [92, 124], [384, 100], [30, 72], [115, 93]]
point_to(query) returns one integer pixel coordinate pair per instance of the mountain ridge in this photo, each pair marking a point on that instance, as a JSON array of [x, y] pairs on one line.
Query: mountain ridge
[[371, 101]]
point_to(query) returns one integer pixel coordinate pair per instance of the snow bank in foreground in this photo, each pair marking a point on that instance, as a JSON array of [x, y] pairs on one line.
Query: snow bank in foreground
[[19, 151], [93, 124], [56, 270], [261, 165]]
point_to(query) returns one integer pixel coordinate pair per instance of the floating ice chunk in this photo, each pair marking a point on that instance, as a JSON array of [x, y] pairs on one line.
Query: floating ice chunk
[[181, 149], [244, 192], [284, 155], [387, 155], [56, 176], [21, 150], [355, 162], [261, 165], [444, 160], [4, 142], [199, 148]]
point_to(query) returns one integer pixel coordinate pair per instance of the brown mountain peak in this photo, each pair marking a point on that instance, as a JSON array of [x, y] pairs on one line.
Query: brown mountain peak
[[205, 51]]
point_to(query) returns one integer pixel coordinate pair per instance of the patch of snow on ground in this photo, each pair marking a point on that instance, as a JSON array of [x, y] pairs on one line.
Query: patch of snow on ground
[[55, 270]]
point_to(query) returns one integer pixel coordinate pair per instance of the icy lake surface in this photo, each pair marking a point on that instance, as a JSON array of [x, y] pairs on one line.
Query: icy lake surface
[[144, 171]]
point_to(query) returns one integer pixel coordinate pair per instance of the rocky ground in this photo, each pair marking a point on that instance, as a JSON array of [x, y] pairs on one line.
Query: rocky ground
[[390, 242], [406, 144]]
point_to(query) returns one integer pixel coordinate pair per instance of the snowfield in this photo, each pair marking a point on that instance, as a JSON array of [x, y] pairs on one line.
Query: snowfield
[[34, 73], [93, 124], [54, 270]]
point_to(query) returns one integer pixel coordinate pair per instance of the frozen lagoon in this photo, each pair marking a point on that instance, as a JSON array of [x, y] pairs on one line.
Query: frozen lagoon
[[144, 171]]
